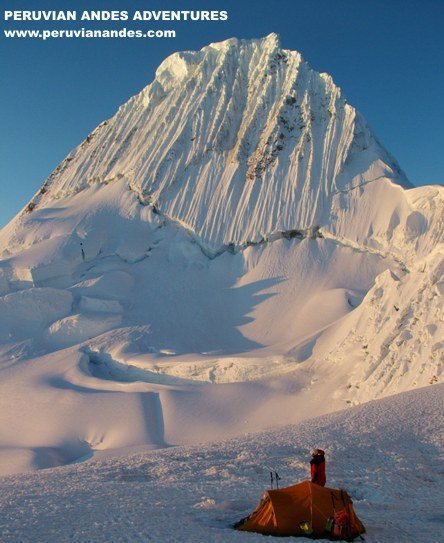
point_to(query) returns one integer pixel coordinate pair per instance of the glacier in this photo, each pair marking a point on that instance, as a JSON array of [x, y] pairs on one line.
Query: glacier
[[232, 251]]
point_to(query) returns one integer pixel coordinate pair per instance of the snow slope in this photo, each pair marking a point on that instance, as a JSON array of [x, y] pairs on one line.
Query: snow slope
[[387, 454], [233, 250]]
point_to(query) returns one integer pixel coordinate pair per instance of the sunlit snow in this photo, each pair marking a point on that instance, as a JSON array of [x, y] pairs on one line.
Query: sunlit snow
[[234, 251]]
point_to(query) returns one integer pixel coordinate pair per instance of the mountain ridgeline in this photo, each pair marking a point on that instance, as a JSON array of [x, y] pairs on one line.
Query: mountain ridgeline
[[237, 141]]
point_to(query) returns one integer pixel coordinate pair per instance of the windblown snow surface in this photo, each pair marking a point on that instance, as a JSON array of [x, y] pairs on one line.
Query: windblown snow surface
[[233, 251], [388, 454]]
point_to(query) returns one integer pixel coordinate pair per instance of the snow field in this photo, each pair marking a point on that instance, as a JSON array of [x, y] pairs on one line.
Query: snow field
[[387, 454], [193, 348]]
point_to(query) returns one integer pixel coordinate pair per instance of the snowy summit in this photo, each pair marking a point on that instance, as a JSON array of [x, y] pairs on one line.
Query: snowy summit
[[233, 251]]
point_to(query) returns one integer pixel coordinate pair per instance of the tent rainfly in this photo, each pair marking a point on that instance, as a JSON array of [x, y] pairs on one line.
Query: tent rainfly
[[305, 509]]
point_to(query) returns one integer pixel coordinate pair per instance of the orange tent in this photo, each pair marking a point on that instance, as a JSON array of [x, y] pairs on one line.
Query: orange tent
[[304, 509]]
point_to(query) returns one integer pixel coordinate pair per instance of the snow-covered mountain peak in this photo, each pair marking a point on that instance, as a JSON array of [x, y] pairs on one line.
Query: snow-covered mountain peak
[[236, 141], [182, 64], [236, 222], [271, 42]]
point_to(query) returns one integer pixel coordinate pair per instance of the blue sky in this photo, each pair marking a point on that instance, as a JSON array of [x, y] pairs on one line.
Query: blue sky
[[387, 56]]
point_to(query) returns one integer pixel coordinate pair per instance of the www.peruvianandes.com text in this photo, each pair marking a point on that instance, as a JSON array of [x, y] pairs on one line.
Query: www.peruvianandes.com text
[[84, 33]]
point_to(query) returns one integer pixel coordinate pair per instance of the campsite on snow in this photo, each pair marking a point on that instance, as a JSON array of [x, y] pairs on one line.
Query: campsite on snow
[[229, 273]]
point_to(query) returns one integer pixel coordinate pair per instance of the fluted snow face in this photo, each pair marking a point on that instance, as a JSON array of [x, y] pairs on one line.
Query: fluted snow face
[[237, 140]]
